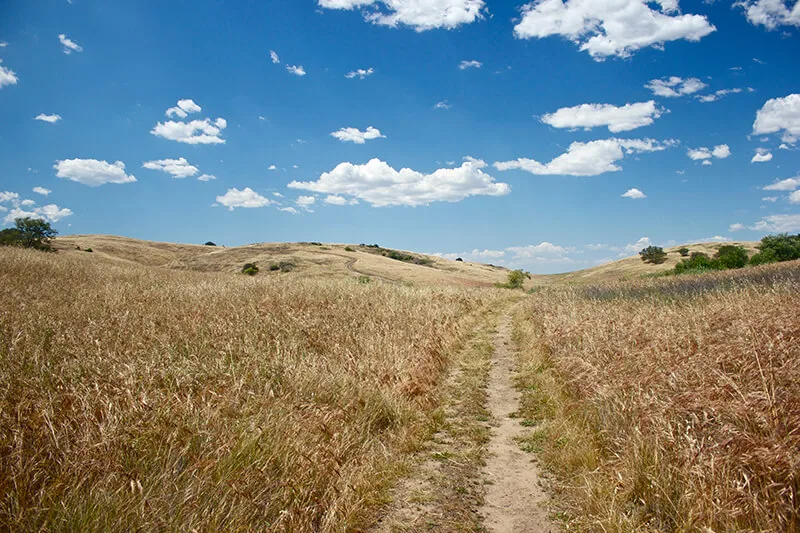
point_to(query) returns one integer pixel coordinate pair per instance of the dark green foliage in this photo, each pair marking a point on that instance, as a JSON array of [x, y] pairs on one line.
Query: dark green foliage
[[459, 259], [697, 262], [729, 256], [29, 233], [683, 251], [397, 255], [283, 266], [363, 279], [10, 237], [654, 255], [773, 248], [348, 249], [250, 269], [89, 250], [762, 258], [210, 243], [516, 278]]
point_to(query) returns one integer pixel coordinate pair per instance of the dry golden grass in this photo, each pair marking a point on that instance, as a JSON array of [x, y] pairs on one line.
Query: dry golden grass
[[140, 398], [669, 405], [312, 261]]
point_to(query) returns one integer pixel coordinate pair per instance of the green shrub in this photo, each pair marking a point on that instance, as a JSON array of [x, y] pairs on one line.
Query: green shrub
[[210, 243], [697, 262], [762, 258], [781, 247], [89, 250], [363, 279], [250, 269], [729, 256], [654, 255], [516, 279], [348, 249], [459, 260], [684, 251]]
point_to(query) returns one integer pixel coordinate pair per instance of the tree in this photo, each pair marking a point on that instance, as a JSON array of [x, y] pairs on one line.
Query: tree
[[10, 237], [210, 243], [29, 233], [773, 248], [684, 251], [653, 254], [729, 256]]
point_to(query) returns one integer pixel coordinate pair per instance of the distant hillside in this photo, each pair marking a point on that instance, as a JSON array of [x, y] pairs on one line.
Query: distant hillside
[[634, 267], [306, 259]]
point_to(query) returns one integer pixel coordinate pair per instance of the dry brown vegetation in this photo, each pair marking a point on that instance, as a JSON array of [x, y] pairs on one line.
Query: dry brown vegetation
[[312, 260], [140, 398], [669, 405]]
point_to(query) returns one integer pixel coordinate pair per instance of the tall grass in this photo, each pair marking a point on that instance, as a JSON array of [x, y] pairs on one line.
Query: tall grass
[[144, 399], [666, 405]]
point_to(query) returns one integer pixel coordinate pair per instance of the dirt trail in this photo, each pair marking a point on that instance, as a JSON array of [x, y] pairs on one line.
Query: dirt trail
[[515, 500]]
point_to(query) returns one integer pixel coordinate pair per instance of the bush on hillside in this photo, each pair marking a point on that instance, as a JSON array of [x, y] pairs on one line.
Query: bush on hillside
[[250, 269], [730, 256], [516, 278], [348, 249], [210, 243], [774, 248], [684, 251], [654, 255], [697, 262]]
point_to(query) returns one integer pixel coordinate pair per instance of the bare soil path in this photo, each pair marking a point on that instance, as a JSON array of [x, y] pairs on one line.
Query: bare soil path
[[515, 500], [472, 476]]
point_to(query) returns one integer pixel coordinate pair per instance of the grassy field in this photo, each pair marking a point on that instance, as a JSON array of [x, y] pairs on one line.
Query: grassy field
[[149, 386], [139, 398], [668, 404]]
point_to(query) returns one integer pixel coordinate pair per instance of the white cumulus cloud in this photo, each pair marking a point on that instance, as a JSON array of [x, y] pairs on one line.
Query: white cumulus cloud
[[8, 196], [296, 70], [177, 168], [780, 114], [617, 119], [771, 13], [247, 198], [335, 199], [470, 64], [92, 172], [421, 15], [360, 73], [306, 202], [273, 55], [381, 185], [206, 177], [69, 45], [52, 119], [357, 136], [795, 197], [50, 212], [183, 108], [789, 184], [7, 76], [42, 191], [762, 156], [713, 97], [203, 131], [634, 194], [606, 28], [778, 224], [587, 159], [675, 86], [721, 151]]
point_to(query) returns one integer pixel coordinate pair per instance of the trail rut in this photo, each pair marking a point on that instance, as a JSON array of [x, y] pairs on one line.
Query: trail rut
[[515, 500]]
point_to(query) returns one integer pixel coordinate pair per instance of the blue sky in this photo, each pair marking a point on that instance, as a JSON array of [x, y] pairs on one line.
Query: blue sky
[[549, 136]]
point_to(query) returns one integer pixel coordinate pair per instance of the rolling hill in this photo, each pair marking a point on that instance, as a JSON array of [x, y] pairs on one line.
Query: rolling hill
[[318, 260]]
